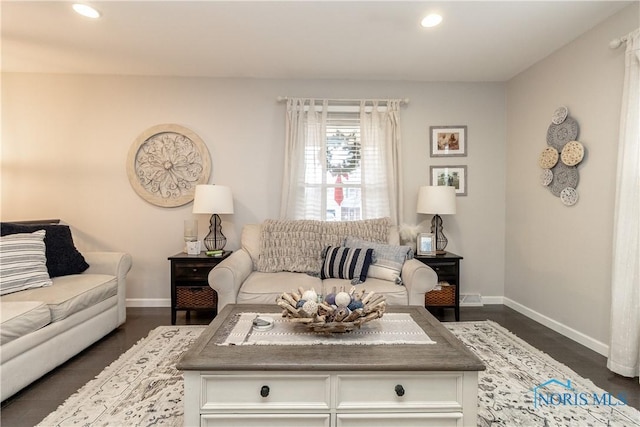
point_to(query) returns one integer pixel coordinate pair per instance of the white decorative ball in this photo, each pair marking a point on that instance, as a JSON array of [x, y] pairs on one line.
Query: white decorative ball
[[310, 308], [343, 298], [310, 295]]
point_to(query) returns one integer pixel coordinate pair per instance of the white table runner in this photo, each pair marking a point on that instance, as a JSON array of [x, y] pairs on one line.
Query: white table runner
[[392, 328]]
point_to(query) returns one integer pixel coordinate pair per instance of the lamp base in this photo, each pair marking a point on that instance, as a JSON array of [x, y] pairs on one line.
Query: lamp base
[[215, 240], [441, 239]]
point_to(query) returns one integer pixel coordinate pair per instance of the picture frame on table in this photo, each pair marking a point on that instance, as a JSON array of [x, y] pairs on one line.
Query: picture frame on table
[[426, 244], [448, 141], [455, 176]]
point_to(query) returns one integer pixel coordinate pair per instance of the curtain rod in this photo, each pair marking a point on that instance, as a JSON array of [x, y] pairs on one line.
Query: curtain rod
[[616, 43], [402, 101]]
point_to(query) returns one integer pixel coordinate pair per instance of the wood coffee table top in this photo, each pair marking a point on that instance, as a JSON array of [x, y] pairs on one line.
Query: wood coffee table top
[[448, 354]]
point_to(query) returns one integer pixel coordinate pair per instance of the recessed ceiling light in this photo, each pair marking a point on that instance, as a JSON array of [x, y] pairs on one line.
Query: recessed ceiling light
[[431, 20], [86, 10]]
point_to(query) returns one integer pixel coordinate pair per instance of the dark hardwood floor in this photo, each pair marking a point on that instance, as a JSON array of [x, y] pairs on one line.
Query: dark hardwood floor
[[32, 404]]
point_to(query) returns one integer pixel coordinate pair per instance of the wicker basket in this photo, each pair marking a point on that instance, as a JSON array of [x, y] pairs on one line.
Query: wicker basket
[[196, 297], [445, 296]]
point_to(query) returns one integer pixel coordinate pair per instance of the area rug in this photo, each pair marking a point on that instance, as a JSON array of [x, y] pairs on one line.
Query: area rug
[[520, 387]]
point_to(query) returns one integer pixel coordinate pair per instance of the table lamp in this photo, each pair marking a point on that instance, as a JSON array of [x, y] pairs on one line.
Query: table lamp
[[437, 200], [213, 199]]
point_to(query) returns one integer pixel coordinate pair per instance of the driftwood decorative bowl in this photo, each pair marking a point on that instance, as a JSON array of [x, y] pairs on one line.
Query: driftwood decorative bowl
[[335, 313]]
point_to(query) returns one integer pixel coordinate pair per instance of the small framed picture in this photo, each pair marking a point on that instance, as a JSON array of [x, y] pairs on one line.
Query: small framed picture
[[454, 176], [448, 141], [426, 244]]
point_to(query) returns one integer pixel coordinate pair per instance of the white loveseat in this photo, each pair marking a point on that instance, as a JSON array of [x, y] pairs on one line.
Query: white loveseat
[[44, 327], [237, 279]]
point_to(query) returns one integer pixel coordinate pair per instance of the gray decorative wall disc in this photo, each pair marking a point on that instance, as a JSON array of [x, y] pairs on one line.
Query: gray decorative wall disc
[[559, 135], [563, 176]]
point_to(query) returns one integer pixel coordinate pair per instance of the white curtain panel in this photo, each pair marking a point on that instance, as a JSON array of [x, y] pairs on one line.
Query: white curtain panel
[[305, 132], [624, 346], [380, 150]]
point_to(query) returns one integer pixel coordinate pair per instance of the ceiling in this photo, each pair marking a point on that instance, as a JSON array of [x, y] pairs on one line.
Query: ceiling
[[477, 41]]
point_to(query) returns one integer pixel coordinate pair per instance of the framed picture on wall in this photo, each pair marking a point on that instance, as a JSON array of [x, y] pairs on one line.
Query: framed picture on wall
[[426, 244], [454, 176], [448, 141]]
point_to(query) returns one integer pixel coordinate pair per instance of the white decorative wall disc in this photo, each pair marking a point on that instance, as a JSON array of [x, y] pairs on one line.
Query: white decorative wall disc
[[569, 196], [546, 177], [559, 115]]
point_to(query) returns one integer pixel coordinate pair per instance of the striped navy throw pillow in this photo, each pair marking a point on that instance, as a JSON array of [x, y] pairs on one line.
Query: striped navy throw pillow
[[346, 263]]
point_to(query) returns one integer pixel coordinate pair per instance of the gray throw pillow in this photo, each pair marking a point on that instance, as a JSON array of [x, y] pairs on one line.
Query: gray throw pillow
[[387, 259]]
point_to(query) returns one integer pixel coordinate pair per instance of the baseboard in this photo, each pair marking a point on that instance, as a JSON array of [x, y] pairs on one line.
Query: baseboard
[[493, 300], [561, 328], [471, 300], [148, 302]]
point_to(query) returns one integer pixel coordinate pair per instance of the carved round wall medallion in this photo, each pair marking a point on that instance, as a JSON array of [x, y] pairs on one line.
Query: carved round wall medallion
[[165, 163]]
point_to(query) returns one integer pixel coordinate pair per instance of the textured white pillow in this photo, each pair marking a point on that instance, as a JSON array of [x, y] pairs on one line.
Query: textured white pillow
[[23, 264]]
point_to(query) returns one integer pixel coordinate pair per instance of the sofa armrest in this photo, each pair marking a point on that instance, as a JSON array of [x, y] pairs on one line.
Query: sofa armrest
[[419, 279], [116, 264], [227, 277]]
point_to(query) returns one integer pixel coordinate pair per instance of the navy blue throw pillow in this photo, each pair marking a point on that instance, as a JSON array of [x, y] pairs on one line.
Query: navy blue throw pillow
[[346, 263]]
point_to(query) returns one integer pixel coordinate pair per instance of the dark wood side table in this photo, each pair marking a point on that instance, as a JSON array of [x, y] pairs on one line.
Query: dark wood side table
[[447, 267], [190, 288]]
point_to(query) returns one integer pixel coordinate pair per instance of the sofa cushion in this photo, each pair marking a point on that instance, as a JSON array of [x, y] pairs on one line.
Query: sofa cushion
[[21, 318], [264, 288], [346, 263], [387, 259], [70, 294], [23, 262], [62, 256], [394, 294]]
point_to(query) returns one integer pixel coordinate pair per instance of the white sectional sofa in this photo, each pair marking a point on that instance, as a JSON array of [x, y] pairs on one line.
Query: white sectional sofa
[[45, 326], [281, 256]]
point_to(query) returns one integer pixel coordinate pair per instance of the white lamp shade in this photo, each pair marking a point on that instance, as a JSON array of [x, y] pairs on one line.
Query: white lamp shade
[[210, 199], [438, 199]]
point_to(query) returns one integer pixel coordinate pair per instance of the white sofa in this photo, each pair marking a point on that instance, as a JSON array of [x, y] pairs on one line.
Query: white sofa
[[238, 281], [44, 327]]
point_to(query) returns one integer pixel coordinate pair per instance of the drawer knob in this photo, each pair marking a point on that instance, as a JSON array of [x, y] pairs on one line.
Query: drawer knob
[[399, 390], [264, 391]]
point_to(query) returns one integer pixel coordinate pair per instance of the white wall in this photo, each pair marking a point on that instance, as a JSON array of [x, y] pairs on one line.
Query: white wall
[[558, 258], [65, 140]]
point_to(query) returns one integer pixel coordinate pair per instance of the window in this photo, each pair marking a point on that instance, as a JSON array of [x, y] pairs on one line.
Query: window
[[341, 161]]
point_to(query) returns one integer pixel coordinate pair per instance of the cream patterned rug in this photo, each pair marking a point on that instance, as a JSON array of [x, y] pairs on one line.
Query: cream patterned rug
[[521, 386]]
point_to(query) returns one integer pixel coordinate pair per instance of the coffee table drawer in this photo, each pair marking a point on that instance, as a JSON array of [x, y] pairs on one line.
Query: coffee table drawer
[[428, 391], [399, 419], [262, 420], [265, 392]]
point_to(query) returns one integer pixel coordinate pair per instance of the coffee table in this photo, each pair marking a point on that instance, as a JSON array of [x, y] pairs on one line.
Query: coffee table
[[329, 385]]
